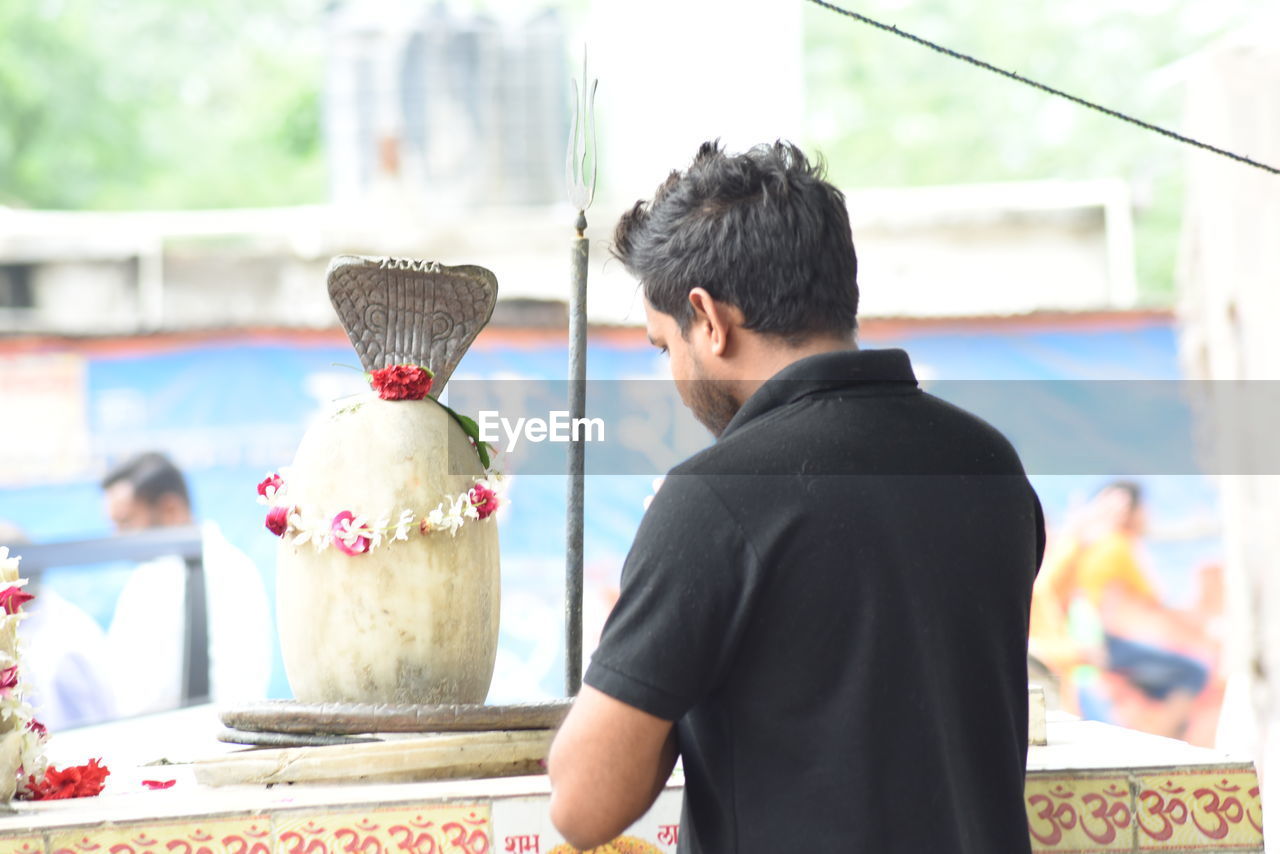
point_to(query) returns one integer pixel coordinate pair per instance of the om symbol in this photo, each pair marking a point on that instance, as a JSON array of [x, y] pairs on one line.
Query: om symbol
[[1111, 816], [1175, 812], [1060, 818], [1227, 813]]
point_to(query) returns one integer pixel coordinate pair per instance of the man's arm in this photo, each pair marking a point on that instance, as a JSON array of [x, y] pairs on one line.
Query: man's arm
[[607, 765]]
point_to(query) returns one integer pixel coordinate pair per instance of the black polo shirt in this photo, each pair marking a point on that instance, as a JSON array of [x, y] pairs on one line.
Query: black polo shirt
[[832, 602]]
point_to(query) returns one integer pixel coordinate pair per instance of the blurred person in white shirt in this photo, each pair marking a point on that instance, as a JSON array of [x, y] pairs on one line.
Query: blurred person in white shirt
[[146, 632], [65, 668]]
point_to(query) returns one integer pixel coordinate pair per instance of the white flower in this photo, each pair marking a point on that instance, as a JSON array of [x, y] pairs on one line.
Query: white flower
[[452, 519], [402, 525], [351, 530], [379, 531]]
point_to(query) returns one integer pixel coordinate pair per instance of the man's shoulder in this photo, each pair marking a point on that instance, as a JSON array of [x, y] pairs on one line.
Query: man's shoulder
[[832, 434]]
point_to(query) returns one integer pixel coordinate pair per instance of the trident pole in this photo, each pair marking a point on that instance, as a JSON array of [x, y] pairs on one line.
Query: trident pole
[[581, 180]]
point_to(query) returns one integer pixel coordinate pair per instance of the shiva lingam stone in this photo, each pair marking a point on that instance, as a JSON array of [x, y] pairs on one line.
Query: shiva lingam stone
[[408, 615]]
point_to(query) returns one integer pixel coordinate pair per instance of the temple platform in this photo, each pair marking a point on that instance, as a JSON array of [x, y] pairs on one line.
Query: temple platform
[[1092, 788]]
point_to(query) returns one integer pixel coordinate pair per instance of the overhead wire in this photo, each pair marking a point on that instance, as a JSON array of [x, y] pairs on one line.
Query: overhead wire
[[1013, 75]]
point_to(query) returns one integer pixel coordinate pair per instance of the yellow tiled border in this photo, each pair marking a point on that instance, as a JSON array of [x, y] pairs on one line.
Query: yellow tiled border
[[1074, 814], [22, 845], [1209, 809], [251, 835], [425, 829], [1191, 810], [434, 828], [1198, 810]]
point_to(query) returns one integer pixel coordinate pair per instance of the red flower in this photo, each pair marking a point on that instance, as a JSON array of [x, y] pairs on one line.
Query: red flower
[[9, 678], [270, 485], [158, 784], [343, 539], [13, 598], [278, 520], [401, 382], [484, 500], [78, 781]]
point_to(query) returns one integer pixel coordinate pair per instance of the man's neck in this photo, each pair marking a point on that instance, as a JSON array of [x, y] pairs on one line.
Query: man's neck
[[767, 355]]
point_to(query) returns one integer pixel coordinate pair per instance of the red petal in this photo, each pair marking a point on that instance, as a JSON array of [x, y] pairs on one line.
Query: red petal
[[158, 784]]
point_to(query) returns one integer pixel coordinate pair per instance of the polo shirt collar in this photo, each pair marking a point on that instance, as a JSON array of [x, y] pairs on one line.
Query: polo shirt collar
[[825, 372]]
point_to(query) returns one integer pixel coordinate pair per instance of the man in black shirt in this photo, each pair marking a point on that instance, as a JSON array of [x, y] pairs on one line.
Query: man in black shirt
[[825, 612]]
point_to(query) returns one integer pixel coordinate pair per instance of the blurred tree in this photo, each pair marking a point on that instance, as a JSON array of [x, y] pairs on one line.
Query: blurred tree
[[64, 126], [148, 103], [888, 112], [141, 103]]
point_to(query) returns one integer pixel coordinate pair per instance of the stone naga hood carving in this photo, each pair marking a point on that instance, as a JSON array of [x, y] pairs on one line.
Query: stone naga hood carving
[[410, 311]]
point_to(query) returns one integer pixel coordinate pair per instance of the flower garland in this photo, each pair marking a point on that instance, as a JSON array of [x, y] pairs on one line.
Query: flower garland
[[26, 774], [355, 534]]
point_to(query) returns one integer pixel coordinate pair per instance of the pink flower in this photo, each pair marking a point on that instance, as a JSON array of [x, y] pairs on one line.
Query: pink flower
[[401, 382], [278, 520], [484, 500], [38, 728], [270, 486], [345, 539], [158, 784], [13, 598], [9, 678]]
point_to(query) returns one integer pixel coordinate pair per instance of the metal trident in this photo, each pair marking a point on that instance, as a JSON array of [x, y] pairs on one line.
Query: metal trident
[[582, 146], [582, 189]]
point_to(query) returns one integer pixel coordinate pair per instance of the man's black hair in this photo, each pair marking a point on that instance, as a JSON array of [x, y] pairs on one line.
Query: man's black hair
[[152, 475], [762, 231]]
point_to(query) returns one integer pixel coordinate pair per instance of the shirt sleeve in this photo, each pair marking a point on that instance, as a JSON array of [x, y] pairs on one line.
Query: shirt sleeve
[[688, 586]]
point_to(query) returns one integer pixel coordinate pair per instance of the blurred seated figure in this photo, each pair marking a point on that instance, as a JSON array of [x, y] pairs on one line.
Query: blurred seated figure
[[65, 666], [146, 632], [1099, 624]]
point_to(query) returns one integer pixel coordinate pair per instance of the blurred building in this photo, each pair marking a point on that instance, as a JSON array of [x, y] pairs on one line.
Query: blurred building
[[924, 252], [458, 108], [446, 132]]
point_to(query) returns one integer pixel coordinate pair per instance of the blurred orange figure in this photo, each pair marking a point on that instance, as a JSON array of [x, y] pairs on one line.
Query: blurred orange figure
[[1098, 624]]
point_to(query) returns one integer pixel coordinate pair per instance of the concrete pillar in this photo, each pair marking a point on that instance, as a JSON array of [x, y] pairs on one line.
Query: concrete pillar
[[1229, 306]]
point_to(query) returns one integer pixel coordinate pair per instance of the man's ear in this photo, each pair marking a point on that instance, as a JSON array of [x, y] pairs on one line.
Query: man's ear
[[717, 320], [172, 510]]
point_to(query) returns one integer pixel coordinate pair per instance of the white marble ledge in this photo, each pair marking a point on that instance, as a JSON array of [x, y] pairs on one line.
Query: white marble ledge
[[182, 736], [1077, 745]]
